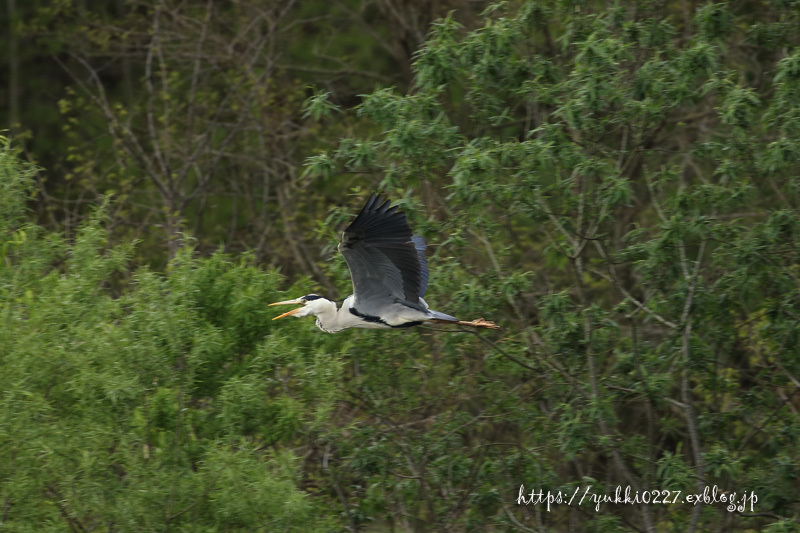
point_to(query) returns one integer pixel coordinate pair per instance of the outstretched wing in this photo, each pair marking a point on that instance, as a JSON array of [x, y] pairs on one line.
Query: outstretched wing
[[383, 259]]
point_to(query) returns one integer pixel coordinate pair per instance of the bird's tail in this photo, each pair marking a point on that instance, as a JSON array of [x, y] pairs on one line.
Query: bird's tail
[[441, 316]]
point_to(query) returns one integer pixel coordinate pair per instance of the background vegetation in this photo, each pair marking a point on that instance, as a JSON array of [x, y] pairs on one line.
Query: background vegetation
[[615, 183]]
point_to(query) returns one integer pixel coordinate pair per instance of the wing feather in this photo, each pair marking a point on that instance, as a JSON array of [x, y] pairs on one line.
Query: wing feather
[[384, 259], [419, 244]]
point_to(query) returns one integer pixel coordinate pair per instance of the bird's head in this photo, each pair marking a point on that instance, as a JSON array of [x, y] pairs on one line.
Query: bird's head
[[312, 304]]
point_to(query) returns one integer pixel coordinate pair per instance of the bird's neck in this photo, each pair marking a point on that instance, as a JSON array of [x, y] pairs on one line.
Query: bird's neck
[[329, 319]]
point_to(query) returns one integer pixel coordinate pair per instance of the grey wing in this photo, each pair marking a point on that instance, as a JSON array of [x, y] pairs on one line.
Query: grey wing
[[383, 259], [419, 244]]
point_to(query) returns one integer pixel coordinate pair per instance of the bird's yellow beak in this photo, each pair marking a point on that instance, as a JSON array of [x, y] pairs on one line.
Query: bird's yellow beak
[[288, 302]]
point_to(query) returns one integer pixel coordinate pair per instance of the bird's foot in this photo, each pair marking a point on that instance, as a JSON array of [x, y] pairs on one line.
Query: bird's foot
[[477, 323], [481, 323]]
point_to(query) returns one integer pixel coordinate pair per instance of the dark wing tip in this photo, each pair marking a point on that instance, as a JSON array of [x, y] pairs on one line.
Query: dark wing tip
[[378, 218], [373, 197]]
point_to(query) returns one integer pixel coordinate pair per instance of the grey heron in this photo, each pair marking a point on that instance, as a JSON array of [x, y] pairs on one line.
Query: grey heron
[[389, 273]]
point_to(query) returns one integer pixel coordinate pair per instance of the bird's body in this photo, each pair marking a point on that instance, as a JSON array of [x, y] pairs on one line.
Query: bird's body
[[332, 319], [390, 277]]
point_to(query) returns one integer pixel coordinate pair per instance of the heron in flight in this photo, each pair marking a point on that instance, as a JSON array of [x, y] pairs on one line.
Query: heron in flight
[[390, 276]]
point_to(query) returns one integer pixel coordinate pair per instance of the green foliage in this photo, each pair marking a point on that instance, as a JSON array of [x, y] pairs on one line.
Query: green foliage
[[143, 411], [615, 184], [319, 106], [643, 167]]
